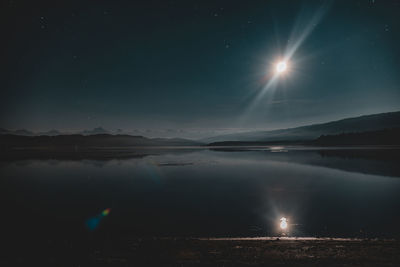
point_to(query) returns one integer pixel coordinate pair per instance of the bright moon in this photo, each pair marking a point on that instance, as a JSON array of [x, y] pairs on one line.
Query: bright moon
[[281, 67]]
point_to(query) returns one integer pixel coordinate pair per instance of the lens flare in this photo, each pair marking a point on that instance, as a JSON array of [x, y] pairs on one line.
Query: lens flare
[[106, 212], [94, 222]]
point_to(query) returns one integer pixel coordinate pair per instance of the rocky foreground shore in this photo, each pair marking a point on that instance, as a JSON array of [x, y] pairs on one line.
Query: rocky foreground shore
[[220, 252], [258, 252]]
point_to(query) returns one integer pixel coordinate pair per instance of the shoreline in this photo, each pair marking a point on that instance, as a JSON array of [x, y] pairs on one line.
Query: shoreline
[[235, 251]]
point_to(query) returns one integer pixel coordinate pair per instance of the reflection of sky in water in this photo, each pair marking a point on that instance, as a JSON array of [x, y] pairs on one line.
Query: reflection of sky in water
[[209, 193]]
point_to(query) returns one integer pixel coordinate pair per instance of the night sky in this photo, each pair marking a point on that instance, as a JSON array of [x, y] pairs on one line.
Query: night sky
[[195, 68]]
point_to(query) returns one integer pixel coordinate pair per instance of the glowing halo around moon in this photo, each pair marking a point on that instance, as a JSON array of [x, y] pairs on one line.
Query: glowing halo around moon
[[286, 63], [281, 67]]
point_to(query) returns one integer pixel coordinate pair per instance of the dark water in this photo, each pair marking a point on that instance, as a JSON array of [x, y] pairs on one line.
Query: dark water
[[205, 193]]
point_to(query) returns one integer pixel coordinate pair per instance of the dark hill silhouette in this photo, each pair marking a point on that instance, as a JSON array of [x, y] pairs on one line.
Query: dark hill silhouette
[[358, 124], [382, 137], [379, 138]]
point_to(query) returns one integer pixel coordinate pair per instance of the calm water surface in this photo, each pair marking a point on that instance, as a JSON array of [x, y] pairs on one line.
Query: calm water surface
[[205, 193]]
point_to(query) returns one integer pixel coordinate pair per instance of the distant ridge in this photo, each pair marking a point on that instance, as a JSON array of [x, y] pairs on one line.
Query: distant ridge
[[97, 130], [53, 132], [16, 132], [78, 141], [50, 133], [364, 123]]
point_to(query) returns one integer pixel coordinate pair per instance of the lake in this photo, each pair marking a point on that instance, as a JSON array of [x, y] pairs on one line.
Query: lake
[[201, 192]]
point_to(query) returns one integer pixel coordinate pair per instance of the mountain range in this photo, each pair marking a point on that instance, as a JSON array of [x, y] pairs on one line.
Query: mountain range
[[97, 130], [77, 141], [101, 137]]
